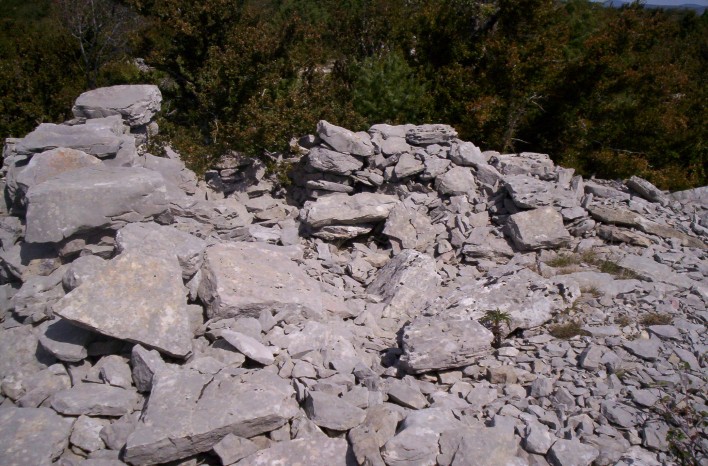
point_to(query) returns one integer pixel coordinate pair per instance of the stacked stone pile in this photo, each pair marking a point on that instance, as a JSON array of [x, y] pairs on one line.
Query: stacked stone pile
[[149, 317]]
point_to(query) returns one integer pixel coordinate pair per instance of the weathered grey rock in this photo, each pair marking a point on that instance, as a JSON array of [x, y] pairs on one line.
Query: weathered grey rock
[[86, 433], [115, 371], [32, 436], [620, 235], [342, 209], [249, 346], [342, 232], [538, 229], [430, 344], [525, 163], [425, 135], [99, 140], [493, 446], [163, 241], [329, 161], [530, 193], [189, 412], [146, 363], [456, 181], [343, 140], [65, 341], [538, 438], [645, 189], [174, 171], [406, 395], [572, 453], [410, 228], [81, 270], [38, 293], [137, 104], [649, 269], [94, 400], [332, 412], [137, 298], [408, 165], [648, 349], [233, 448], [20, 355], [367, 438], [313, 452], [93, 197], [244, 279], [467, 154], [407, 283]]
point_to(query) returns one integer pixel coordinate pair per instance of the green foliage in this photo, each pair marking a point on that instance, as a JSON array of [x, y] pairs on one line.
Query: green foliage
[[495, 321]]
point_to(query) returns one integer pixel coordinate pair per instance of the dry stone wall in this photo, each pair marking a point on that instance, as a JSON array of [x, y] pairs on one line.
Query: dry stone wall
[[348, 317]]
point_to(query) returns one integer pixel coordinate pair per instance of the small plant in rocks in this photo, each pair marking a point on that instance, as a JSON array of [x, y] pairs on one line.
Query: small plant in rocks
[[656, 318], [495, 321], [567, 330]]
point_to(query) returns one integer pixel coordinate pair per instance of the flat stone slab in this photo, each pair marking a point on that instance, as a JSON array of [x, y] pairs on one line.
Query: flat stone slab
[[189, 412], [137, 298], [243, 279], [538, 229], [90, 198], [342, 209], [456, 181], [345, 141], [330, 161], [332, 412], [425, 135], [249, 346], [32, 436], [99, 140], [311, 452], [430, 344], [137, 104], [94, 400]]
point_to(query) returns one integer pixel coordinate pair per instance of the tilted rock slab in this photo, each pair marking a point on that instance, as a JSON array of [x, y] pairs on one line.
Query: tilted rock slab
[[92, 197], [32, 436], [137, 104], [311, 452], [331, 161], [95, 139], [189, 412], [137, 298], [342, 209], [243, 279], [343, 140], [538, 229], [436, 344]]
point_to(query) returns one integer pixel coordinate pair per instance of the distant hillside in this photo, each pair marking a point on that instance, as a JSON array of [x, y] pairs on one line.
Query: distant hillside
[[667, 5]]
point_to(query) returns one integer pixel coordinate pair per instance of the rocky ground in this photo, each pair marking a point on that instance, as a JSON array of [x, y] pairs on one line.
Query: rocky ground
[[406, 300]]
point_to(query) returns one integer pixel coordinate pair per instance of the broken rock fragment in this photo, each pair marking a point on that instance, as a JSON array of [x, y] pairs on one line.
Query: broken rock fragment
[[32, 436], [538, 229], [342, 209]]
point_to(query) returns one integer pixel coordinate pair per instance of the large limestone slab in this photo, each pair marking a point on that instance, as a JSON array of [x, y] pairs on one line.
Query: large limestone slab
[[528, 192], [538, 229], [343, 140], [311, 452], [138, 298], [99, 140], [332, 412], [163, 241], [94, 399], [92, 197], [32, 436], [137, 104], [189, 412], [342, 209], [456, 181], [244, 279], [436, 344], [331, 161], [407, 283], [425, 135], [410, 228]]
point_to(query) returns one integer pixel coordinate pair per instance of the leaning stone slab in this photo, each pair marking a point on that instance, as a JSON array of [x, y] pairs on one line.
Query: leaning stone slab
[[436, 344], [97, 140], [94, 399], [538, 229], [343, 140], [163, 241], [92, 197], [342, 209], [330, 161], [138, 298], [32, 436], [646, 190], [244, 279], [406, 283], [311, 452], [249, 347], [189, 412], [65, 341], [137, 104]]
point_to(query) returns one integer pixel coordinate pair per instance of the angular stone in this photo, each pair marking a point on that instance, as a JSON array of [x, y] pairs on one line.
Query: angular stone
[[342, 209], [467, 154], [90, 198], [65, 341], [430, 344], [407, 283], [530, 193], [174, 171], [189, 412], [137, 104], [538, 229], [332, 412], [525, 163], [648, 349], [82, 269], [456, 181], [86, 433], [367, 438], [410, 228], [233, 448], [342, 232], [572, 453], [648, 269], [115, 371], [244, 279], [329, 161], [98, 140], [620, 235], [538, 438], [407, 165], [146, 363], [417, 439], [343, 140], [496, 446], [425, 135], [163, 241], [311, 452], [646, 190], [94, 400], [32, 436], [136, 298], [249, 346], [406, 395]]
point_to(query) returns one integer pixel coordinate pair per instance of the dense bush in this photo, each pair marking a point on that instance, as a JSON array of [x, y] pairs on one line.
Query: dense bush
[[610, 92]]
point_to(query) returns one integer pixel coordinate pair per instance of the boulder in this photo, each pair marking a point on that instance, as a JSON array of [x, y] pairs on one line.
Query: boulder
[[538, 229], [425, 135], [345, 141], [410, 228], [342, 209], [137, 104], [65, 341], [32, 436], [138, 298], [646, 190], [332, 412], [189, 412], [330, 161], [467, 154], [91, 198], [436, 344], [528, 192], [244, 279], [456, 181]]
